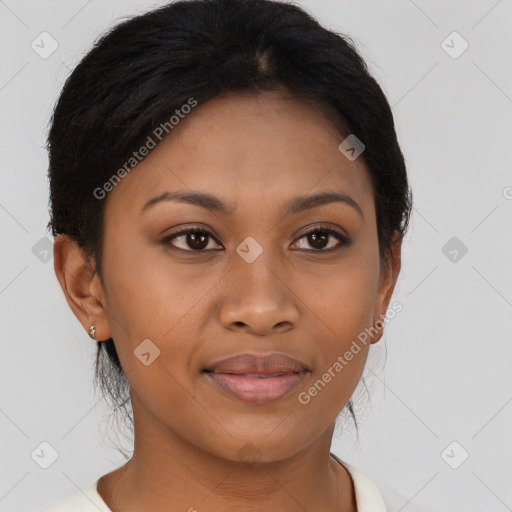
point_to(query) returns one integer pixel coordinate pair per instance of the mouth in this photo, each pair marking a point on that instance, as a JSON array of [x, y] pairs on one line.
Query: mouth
[[257, 389], [256, 378], [273, 364]]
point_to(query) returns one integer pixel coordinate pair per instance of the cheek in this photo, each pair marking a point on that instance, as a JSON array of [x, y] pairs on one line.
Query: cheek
[[342, 348], [146, 293], [342, 305], [150, 297], [343, 298]]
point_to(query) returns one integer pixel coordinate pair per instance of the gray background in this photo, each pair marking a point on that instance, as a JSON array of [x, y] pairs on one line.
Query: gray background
[[442, 372]]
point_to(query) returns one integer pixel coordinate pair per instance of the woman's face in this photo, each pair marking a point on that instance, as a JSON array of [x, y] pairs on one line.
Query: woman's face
[[252, 280]]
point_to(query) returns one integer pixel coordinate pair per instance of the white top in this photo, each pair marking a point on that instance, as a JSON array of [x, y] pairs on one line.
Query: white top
[[87, 499]]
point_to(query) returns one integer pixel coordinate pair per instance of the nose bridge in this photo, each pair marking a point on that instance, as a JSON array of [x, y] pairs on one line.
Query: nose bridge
[[257, 293], [258, 267]]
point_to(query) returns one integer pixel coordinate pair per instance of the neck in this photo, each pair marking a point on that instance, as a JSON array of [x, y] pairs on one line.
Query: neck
[[167, 469]]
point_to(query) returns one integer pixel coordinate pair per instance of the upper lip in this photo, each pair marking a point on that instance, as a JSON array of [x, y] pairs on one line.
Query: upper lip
[[261, 364]]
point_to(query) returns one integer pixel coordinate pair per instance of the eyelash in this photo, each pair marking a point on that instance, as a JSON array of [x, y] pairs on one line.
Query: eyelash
[[342, 239]]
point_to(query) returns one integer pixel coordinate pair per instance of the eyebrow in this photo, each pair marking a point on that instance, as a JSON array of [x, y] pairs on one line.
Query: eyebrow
[[210, 202]]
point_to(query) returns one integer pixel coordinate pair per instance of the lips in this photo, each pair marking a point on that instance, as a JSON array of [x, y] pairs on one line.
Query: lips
[[258, 365], [257, 379]]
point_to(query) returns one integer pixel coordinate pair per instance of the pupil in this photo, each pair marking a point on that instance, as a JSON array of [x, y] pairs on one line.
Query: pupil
[[318, 237], [198, 244]]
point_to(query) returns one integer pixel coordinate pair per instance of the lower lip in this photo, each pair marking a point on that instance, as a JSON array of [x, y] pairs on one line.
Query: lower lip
[[256, 390]]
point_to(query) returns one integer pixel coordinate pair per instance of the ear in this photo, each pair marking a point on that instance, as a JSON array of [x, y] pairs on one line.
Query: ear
[[81, 286], [388, 277]]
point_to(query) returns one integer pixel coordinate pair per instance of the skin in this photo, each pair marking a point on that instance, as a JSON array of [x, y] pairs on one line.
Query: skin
[[255, 152]]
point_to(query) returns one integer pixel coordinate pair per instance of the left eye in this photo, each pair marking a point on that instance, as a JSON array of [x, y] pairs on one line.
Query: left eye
[[197, 239], [318, 236]]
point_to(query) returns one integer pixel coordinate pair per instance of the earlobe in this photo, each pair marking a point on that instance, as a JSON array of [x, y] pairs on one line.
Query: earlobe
[[80, 286]]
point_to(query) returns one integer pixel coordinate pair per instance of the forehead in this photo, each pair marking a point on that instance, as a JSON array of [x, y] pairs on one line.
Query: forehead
[[256, 150]]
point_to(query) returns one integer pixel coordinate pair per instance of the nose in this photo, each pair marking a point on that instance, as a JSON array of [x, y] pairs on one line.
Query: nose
[[258, 298]]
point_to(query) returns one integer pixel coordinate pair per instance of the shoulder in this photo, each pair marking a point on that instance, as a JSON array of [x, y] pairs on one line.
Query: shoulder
[[368, 496], [86, 499]]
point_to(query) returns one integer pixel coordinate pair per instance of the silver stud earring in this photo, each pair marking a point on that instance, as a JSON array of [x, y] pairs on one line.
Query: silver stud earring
[[92, 331]]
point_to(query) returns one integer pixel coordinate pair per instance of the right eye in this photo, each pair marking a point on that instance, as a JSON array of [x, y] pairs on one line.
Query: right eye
[[194, 239]]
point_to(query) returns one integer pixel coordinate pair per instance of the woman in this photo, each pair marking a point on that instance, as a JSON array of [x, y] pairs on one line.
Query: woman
[[228, 200]]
